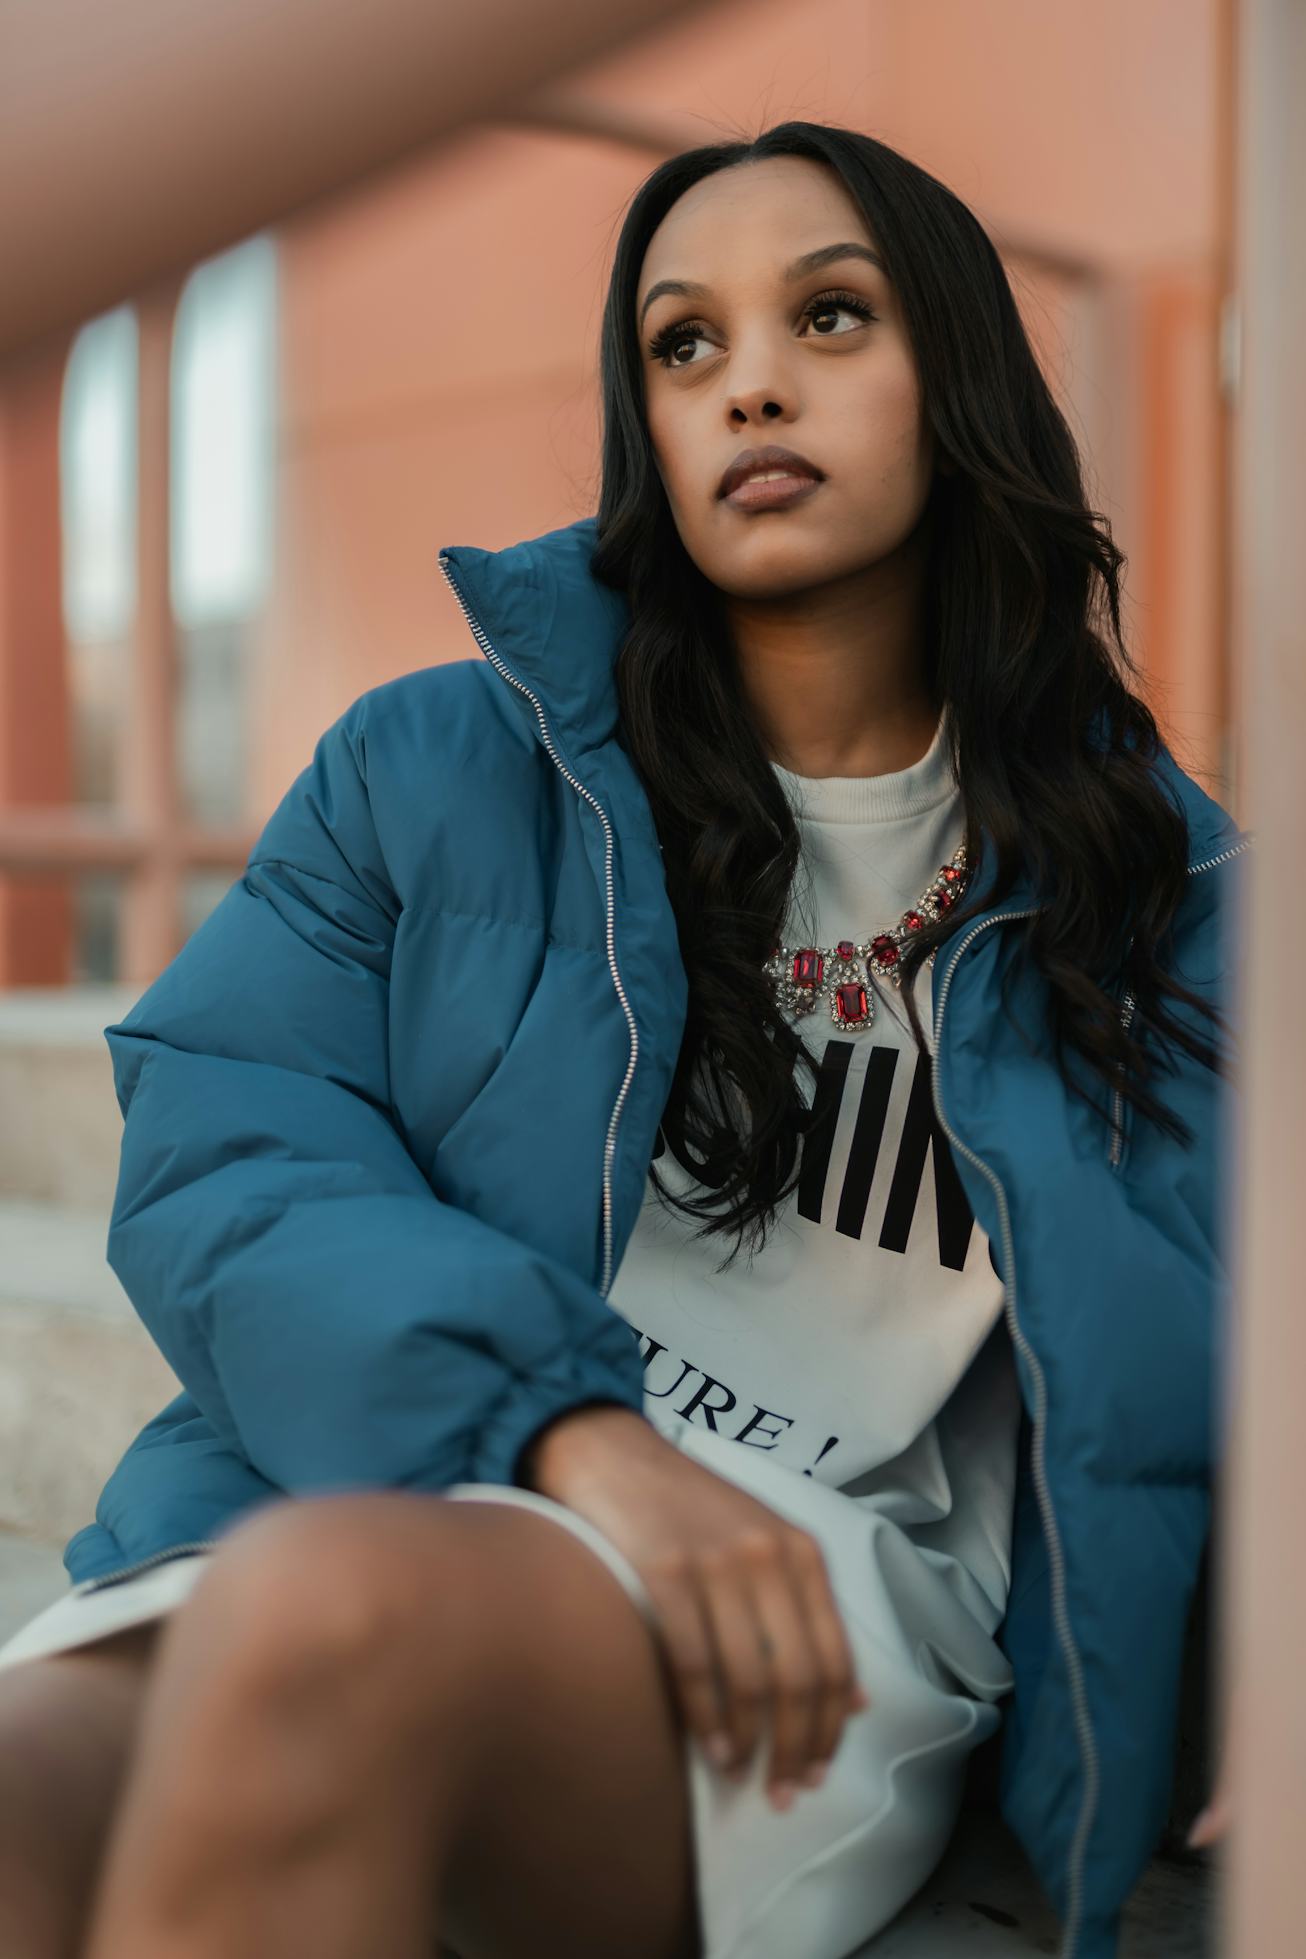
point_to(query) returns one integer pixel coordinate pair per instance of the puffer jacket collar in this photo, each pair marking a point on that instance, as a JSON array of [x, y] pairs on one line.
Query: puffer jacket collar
[[542, 619]]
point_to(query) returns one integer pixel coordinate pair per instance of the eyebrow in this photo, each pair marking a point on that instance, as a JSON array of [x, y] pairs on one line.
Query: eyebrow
[[807, 262]]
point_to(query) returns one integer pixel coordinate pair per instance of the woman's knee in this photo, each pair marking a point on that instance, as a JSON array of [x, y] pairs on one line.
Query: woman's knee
[[311, 1607], [395, 1612]]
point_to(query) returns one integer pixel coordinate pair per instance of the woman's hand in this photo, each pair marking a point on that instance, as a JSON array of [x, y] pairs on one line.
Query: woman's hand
[[1213, 1823], [748, 1621]]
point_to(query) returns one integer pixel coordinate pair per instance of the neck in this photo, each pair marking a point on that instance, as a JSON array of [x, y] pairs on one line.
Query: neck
[[834, 675]]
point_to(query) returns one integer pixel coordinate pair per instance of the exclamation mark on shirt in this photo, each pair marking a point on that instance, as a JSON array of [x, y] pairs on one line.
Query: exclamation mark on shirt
[[824, 1452]]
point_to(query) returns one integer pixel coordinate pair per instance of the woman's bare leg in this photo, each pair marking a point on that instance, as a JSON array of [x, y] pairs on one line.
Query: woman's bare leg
[[67, 1723], [382, 1718]]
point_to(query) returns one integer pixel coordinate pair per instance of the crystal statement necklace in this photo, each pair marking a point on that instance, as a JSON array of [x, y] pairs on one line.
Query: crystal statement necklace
[[799, 973]]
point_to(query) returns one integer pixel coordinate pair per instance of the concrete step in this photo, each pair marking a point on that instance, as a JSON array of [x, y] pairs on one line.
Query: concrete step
[[61, 1128], [983, 1900], [79, 1374], [31, 1577]]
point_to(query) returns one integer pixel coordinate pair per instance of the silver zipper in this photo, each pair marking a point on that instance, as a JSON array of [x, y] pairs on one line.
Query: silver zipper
[[579, 787], [132, 1570], [1244, 842], [1127, 1003], [1117, 1101], [1061, 1617]]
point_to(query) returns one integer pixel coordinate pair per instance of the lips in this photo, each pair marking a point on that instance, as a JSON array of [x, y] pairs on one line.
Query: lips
[[750, 461]]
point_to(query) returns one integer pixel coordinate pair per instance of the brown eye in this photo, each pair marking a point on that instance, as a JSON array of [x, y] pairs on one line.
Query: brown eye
[[672, 337], [837, 302]]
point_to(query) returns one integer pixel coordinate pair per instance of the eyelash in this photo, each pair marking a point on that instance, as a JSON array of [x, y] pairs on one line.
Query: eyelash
[[662, 343]]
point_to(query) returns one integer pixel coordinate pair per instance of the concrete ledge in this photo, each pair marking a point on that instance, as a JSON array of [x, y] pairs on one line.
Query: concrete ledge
[[79, 1374], [54, 1255], [62, 1016], [31, 1577], [62, 1129], [983, 1900]]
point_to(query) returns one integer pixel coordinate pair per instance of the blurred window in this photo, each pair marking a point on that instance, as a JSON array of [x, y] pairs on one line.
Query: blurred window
[[98, 506], [222, 382], [221, 512]]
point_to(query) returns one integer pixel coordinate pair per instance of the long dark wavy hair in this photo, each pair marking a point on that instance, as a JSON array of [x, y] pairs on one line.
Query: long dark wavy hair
[[1021, 589]]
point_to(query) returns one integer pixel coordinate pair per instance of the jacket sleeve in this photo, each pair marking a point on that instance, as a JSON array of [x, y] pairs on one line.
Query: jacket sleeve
[[334, 1321]]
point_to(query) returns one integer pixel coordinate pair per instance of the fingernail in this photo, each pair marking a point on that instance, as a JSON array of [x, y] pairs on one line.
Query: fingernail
[[782, 1794], [1198, 1829], [814, 1776], [718, 1750]]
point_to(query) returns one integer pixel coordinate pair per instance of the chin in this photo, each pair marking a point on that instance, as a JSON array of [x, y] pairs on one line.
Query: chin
[[781, 567]]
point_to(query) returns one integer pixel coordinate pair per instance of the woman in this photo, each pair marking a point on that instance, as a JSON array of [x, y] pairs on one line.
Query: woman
[[555, 965]]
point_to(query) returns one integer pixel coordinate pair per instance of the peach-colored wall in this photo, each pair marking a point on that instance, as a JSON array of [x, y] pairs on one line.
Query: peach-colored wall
[[440, 324], [440, 331], [35, 913]]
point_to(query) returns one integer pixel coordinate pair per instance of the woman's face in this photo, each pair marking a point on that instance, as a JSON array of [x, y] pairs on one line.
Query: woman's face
[[757, 357]]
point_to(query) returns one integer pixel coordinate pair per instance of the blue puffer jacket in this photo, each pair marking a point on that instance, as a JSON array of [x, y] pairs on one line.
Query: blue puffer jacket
[[388, 1121]]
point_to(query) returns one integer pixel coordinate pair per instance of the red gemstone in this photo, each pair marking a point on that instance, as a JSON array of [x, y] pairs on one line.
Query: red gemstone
[[945, 898], [913, 921], [951, 872], [808, 966], [846, 949], [850, 1004], [885, 950]]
